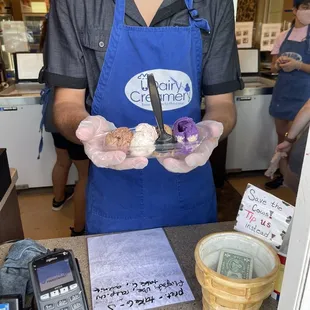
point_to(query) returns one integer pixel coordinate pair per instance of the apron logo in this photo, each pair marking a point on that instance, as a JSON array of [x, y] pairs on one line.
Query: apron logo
[[174, 87]]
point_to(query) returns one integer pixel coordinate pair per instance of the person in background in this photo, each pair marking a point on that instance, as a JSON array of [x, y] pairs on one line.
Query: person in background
[[295, 145], [67, 153], [291, 58]]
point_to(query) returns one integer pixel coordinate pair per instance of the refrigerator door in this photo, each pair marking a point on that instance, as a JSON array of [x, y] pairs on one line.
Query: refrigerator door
[[19, 134], [252, 143]]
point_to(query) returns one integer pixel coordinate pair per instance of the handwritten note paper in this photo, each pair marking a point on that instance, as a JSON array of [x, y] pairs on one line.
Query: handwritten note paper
[[264, 216], [135, 270]]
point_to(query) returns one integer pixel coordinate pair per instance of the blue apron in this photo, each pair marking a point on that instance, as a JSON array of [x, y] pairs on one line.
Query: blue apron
[[44, 101], [153, 197], [292, 89]]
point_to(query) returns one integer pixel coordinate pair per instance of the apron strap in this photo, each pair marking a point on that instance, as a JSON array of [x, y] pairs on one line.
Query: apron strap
[[45, 92], [119, 12], [286, 38], [194, 18], [288, 34]]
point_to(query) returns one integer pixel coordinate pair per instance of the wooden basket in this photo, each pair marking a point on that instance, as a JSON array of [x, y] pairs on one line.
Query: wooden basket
[[214, 305], [220, 292]]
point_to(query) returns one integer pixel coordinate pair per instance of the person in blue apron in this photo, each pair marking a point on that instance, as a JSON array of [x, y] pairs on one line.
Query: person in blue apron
[[291, 58], [174, 41], [67, 153]]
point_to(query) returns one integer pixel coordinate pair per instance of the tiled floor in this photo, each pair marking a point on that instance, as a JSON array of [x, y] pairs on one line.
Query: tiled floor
[[40, 222]]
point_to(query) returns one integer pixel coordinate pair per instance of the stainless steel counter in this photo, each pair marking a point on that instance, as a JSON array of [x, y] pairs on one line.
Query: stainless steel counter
[[256, 85], [22, 94], [22, 89]]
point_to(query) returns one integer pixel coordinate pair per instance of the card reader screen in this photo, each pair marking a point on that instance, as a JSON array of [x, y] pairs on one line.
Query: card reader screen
[[4, 306], [54, 274]]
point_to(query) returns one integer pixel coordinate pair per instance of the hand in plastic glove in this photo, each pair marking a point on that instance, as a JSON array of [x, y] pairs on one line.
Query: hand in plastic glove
[[284, 147], [212, 130], [274, 164], [281, 60], [91, 133], [290, 65]]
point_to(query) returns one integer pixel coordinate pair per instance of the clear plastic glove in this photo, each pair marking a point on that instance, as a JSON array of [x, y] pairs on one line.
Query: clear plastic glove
[[274, 164], [290, 64], [283, 59], [91, 133], [212, 130]]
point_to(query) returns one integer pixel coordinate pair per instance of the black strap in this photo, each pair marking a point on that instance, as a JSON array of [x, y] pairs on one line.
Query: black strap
[[168, 11]]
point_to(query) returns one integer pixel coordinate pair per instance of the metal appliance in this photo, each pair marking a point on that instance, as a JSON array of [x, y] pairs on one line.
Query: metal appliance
[[252, 143], [20, 116]]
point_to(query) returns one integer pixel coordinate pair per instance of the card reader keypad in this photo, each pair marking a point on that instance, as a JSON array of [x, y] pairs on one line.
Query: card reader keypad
[[66, 298]]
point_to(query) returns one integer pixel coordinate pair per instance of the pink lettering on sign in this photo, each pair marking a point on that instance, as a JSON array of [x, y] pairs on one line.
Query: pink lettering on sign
[[250, 216]]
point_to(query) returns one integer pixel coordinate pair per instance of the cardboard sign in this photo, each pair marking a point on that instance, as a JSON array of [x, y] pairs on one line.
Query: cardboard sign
[[264, 216]]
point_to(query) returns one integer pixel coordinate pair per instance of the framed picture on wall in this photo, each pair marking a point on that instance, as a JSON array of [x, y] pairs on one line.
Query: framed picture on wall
[[244, 34]]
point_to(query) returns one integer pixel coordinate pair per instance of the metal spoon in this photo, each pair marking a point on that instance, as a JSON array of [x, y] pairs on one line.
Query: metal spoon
[[164, 137]]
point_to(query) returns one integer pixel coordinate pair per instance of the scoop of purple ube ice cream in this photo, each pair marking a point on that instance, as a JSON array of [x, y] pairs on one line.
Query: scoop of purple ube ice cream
[[185, 130]]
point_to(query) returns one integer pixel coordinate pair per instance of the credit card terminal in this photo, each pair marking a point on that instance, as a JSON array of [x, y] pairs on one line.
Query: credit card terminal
[[57, 282]]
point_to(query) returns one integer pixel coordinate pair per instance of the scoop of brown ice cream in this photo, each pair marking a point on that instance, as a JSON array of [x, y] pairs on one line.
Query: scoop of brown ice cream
[[120, 137]]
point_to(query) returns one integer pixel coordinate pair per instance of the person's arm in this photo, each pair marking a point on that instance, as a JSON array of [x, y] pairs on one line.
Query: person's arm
[[275, 65], [301, 121], [221, 71], [275, 68], [69, 111], [65, 70], [221, 108], [305, 67], [293, 64]]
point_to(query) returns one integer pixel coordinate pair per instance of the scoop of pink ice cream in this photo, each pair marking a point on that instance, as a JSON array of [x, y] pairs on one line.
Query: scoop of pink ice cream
[[185, 130]]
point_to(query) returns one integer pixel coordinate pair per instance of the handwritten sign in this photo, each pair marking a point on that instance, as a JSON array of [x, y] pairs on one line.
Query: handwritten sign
[[135, 270], [264, 216]]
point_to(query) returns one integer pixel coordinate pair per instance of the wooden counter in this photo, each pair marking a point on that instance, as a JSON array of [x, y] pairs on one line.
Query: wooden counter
[[10, 221]]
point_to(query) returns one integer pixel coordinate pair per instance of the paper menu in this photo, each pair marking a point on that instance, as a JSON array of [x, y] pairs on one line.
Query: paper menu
[[244, 34], [264, 216], [270, 32], [135, 270]]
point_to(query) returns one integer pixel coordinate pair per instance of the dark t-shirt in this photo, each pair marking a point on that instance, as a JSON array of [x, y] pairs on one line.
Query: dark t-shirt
[[79, 30]]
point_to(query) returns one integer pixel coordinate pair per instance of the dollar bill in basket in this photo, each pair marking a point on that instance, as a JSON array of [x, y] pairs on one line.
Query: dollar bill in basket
[[235, 264]]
